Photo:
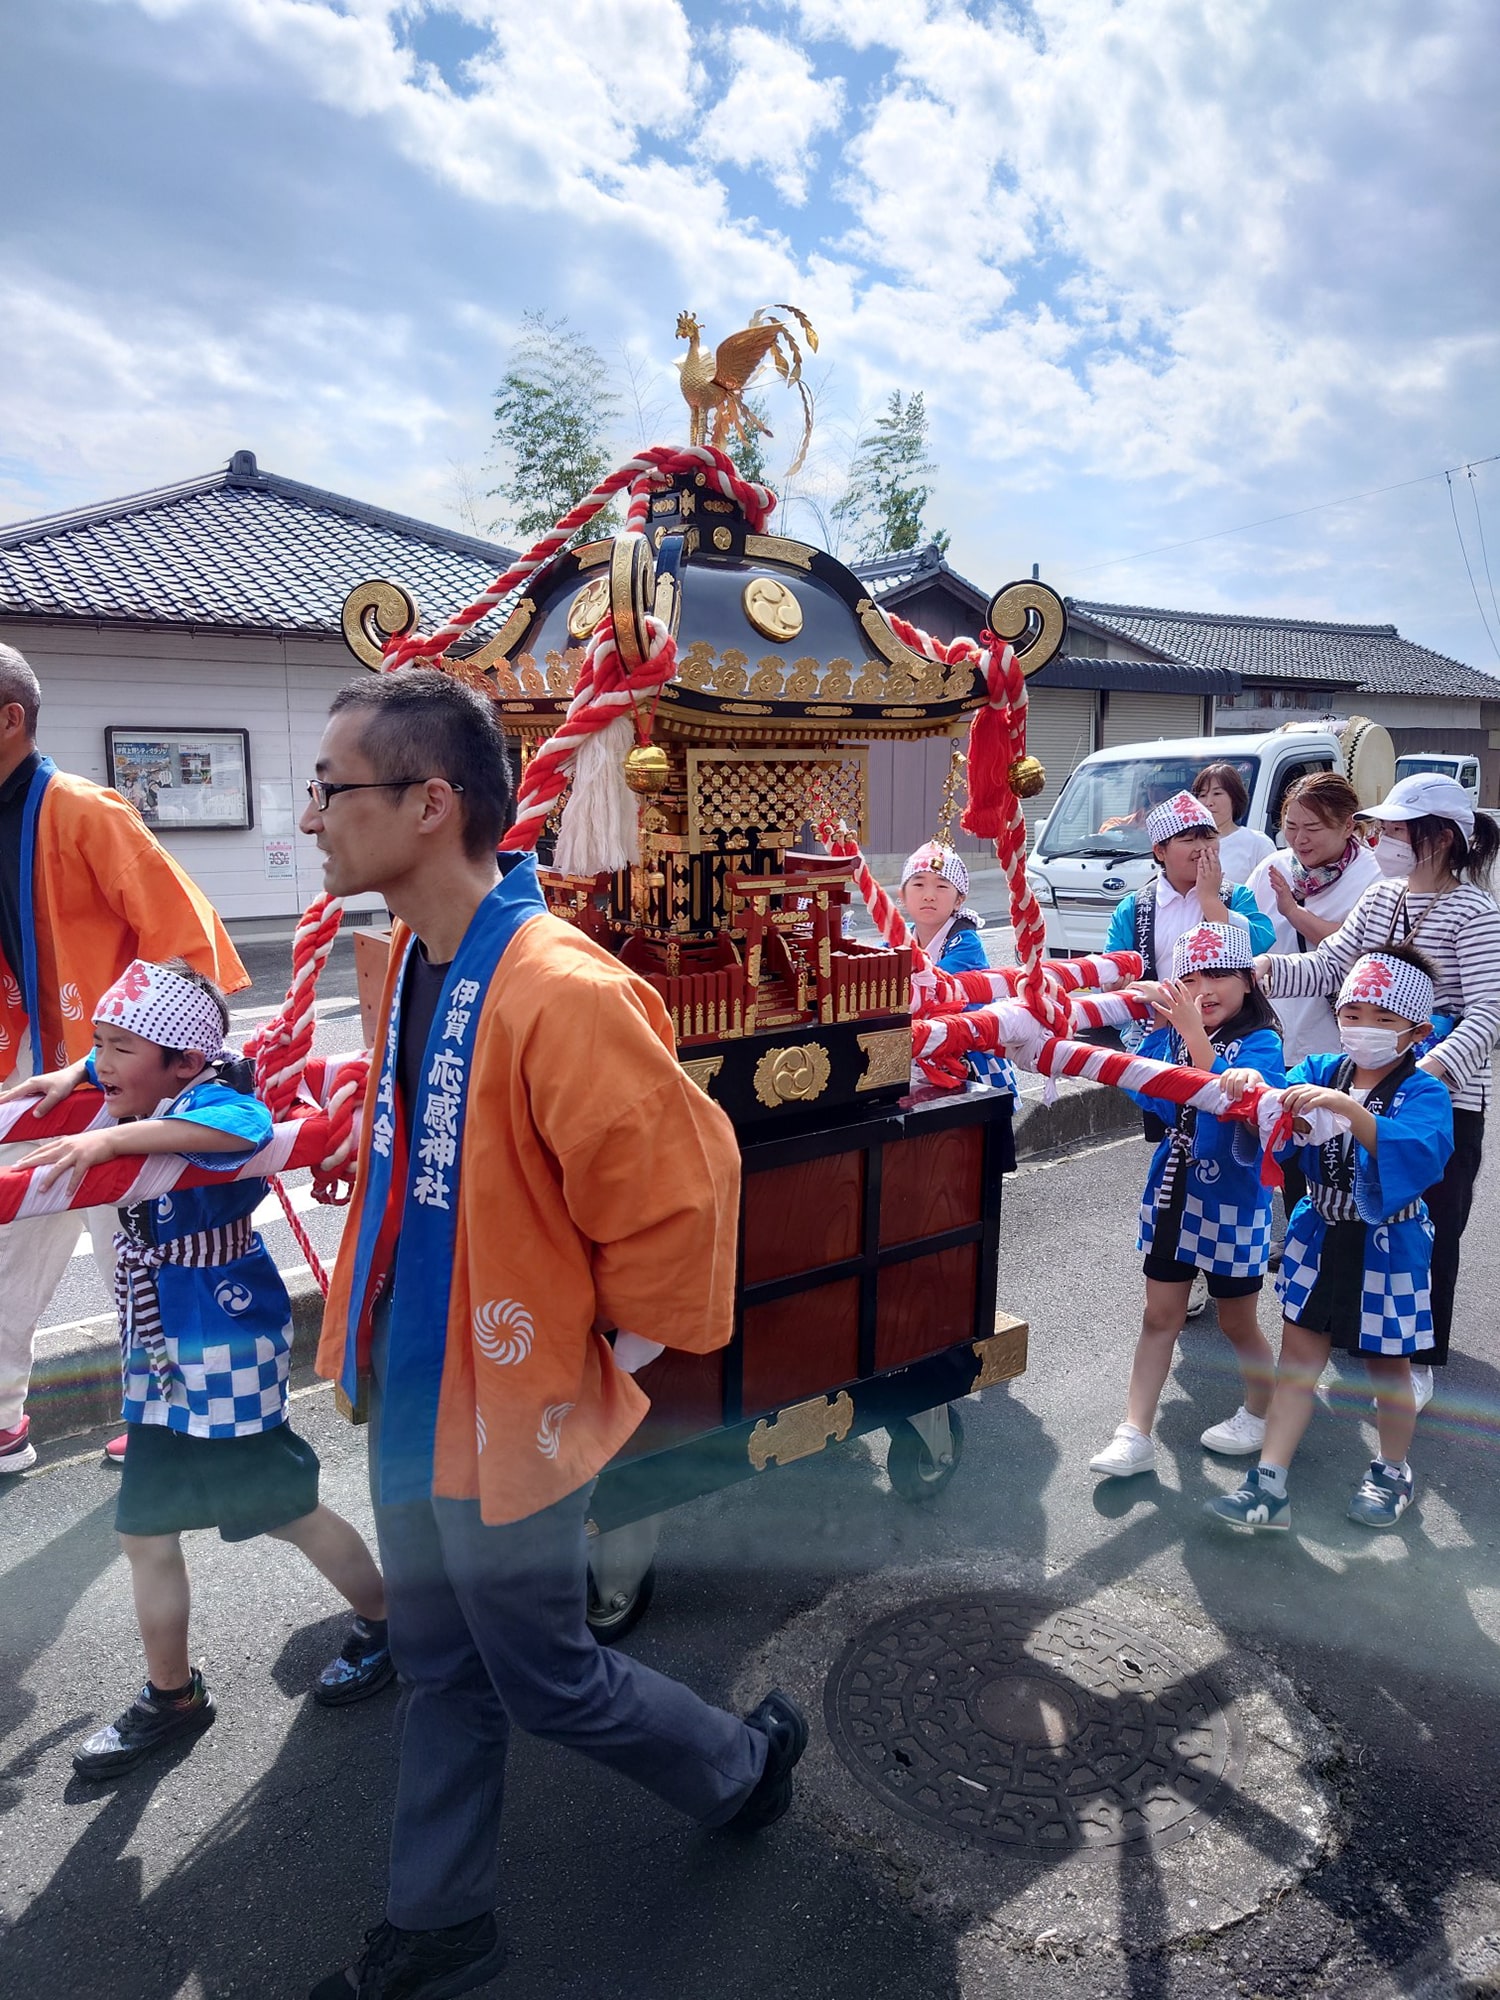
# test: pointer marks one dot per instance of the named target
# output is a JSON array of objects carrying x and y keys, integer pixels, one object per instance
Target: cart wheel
[
  {"x": 915, "y": 1473},
  {"x": 610, "y": 1622}
]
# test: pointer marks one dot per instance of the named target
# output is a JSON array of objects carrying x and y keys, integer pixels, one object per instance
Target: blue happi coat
[
  {"x": 1225, "y": 1211},
  {"x": 964, "y": 953},
  {"x": 1415, "y": 1141}
]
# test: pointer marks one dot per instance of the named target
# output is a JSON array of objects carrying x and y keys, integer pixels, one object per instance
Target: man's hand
[
  {"x": 51, "y": 1088},
  {"x": 72, "y": 1156}
]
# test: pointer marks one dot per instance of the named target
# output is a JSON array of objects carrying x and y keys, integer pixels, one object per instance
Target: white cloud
[{"x": 771, "y": 112}]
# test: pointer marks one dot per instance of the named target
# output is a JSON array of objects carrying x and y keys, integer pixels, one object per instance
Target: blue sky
[{"x": 1160, "y": 268}]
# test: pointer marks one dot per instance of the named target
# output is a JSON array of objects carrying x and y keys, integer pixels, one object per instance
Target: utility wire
[
  {"x": 1478, "y": 601},
  {"x": 1296, "y": 514},
  {"x": 1479, "y": 520}
]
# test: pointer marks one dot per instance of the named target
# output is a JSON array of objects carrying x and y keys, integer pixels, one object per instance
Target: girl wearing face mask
[
  {"x": 1435, "y": 854},
  {"x": 1359, "y": 1244}
]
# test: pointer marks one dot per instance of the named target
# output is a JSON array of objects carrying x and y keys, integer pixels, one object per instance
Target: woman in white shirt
[
  {"x": 1308, "y": 889},
  {"x": 1221, "y": 788}
]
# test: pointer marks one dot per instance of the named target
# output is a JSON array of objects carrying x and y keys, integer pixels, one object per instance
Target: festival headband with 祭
[
  {"x": 1212, "y": 948},
  {"x": 935, "y": 860},
  {"x": 1181, "y": 814},
  {"x": 1390, "y": 983},
  {"x": 161, "y": 1006}
]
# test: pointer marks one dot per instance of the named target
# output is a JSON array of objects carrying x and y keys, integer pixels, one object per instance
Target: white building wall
[{"x": 276, "y": 689}]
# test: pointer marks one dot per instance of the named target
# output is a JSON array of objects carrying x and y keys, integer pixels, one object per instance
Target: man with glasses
[{"x": 536, "y": 1173}]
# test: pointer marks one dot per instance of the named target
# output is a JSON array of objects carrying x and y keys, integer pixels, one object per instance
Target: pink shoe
[
  {"x": 114, "y": 1451},
  {"x": 17, "y": 1452}
]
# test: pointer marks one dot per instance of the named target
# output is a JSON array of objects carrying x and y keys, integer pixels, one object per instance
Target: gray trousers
[{"x": 487, "y": 1629}]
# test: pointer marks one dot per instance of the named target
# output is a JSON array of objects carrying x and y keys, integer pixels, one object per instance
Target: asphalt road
[{"x": 253, "y": 1863}]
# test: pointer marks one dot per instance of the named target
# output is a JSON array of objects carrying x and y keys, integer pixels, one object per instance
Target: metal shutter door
[
  {"x": 1059, "y": 730},
  {"x": 1142, "y": 718}
]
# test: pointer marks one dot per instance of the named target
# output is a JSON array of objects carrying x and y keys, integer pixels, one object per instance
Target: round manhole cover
[{"x": 1028, "y": 1729}]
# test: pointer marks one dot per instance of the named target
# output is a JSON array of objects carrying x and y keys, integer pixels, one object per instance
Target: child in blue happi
[
  {"x": 934, "y": 888},
  {"x": 205, "y": 1340},
  {"x": 1358, "y": 1252},
  {"x": 1204, "y": 1208}
]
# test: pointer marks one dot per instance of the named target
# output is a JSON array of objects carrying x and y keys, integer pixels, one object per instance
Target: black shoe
[
  {"x": 418, "y": 1965},
  {"x": 784, "y": 1727},
  {"x": 148, "y": 1724},
  {"x": 363, "y": 1667}
]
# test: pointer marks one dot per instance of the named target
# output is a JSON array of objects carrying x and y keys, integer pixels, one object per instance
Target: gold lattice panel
[{"x": 771, "y": 793}]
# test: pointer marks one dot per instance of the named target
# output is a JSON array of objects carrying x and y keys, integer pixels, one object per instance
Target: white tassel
[{"x": 600, "y": 833}]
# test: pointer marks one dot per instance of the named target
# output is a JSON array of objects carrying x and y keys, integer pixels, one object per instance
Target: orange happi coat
[
  {"x": 598, "y": 1189},
  {"x": 104, "y": 891}
]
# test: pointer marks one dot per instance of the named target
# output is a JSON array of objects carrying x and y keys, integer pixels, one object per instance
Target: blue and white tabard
[
  {"x": 227, "y": 1326},
  {"x": 1414, "y": 1142}
]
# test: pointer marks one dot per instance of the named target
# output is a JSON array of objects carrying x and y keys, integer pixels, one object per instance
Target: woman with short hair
[
  {"x": 1436, "y": 855},
  {"x": 1221, "y": 788}
]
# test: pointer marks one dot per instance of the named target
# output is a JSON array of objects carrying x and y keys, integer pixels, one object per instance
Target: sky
[{"x": 1160, "y": 268}]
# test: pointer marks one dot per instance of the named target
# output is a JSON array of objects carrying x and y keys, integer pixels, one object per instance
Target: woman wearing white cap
[{"x": 1436, "y": 855}]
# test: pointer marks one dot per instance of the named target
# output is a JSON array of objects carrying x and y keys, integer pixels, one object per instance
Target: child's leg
[
  {"x": 1161, "y": 1322},
  {"x": 1304, "y": 1356},
  {"x": 1395, "y": 1404},
  {"x": 1241, "y": 1328},
  {"x": 335, "y": 1548},
  {"x": 159, "y": 1579}
]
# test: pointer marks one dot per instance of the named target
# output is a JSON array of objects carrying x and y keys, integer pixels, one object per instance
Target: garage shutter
[
  {"x": 1059, "y": 730},
  {"x": 1142, "y": 718}
]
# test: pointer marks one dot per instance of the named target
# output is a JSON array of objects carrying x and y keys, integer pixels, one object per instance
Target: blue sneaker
[
  {"x": 1252, "y": 1507},
  {"x": 363, "y": 1667},
  {"x": 1382, "y": 1499}
]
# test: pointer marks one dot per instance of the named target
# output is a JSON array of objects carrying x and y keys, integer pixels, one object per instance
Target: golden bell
[
  {"x": 646, "y": 768},
  {"x": 1027, "y": 777}
]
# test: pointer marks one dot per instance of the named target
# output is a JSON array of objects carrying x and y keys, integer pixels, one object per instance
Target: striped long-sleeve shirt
[{"x": 1458, "y": 932}]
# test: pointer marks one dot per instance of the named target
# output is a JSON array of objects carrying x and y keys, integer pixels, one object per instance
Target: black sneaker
[
  {"x": 363, "y": 1667},
  {"x": 784, "y": 1727},
  {"x": 418, "y": 1965},
  {"x": 149, "y": 1724}
]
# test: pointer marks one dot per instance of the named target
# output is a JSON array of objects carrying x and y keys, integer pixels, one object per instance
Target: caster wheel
[
  {"x": 610, "y": 1622},
  {"x": 914, "y": 1473}
]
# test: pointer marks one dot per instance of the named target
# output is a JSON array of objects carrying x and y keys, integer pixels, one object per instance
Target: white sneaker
[
  {"x": 1237, "y": 1436},
  {"x": 1128, "y": 1451},
  {"x": 1422, "y": 1386},
  {"x": 1197, "y": 1294}
]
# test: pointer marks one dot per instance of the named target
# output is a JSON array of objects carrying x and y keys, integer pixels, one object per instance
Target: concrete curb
[
  {"x": 1079, "y": 1111},
  {"x": 75, "y": 1376}
]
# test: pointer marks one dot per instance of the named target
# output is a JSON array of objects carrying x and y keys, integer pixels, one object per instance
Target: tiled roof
[
  {"x": 1372, "y": 659},
  {"x": 239, "y": 548},
  {"x": 891, "y": 576},
  {"x": 1159, "y": 676}
]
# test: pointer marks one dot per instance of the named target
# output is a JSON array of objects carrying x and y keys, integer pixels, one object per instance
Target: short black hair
[{"x": 420, "y": 724}]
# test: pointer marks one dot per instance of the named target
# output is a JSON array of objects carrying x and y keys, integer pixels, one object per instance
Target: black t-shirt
[
  {"x": 12, "y": 816},
  {"x": 422, "y": 991}
]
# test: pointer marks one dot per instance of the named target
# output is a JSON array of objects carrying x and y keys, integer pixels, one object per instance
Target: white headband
[
  {"x": 1179, "y": 814},
  {"x": 1390, "y": 983},
  {"x": 936, "y": 860},
  {"x": 1212, "y": 948},
  {"x": 162, "y": 1007}
]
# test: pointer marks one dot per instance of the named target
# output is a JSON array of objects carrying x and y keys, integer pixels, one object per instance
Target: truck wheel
[
  {"x": 915, "y": 1474},
  {"x": 610, "y": 1622}
]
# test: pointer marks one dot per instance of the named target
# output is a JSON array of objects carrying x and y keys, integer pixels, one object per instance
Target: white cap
[{"x": 1426, "y": 793}]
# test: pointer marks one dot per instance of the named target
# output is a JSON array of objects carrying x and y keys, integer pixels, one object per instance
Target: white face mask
[
  {"x": 1394, "y": 857},
  {"x": 1371, "y": 1048}
]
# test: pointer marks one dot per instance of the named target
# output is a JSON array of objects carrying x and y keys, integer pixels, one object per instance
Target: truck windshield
[
  {"x": 1103, "y": 807},
  {"x": 1446, "y": 767}
]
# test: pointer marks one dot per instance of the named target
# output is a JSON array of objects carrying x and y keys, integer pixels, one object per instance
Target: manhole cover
[{"x": 1025, "y": 1728}]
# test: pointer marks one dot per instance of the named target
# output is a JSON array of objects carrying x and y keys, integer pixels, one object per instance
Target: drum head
[{"x": 1369, "y": 759}]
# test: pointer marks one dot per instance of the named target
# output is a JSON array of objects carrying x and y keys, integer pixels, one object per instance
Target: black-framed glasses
[{"x": 320, "y": 793}]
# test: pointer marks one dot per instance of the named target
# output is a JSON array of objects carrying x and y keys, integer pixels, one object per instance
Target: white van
[
  {"x": 1464, "y": 769},
  {"x": 1093, "y": 848}
]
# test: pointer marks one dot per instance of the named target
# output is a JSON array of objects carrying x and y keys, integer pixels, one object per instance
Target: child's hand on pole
[
  {"x": 1235, "y": 1082},
  {"x": 51, "y": 1087},
  {"x": 73, "y": 1156}
]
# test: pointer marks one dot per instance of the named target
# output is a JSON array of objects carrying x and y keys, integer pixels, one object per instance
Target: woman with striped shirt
[{"x": 1436, "y": 854}]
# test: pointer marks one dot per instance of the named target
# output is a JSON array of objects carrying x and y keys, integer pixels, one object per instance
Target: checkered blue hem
[
  {"x": 1230, "y": 1242},
  {"x": 1395, "y": 1304},
  {"x": 221, "y": 1393}
]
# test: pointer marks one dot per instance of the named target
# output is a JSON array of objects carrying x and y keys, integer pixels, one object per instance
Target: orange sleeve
[
  {"x": 156, "y": 898},
  {"x": 650, "y": 1167}
]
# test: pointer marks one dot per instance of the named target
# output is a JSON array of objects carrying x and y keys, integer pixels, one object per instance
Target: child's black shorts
[
  {"x": 242, "y": 1486},
  {"x": 1167, "y": 1271}
]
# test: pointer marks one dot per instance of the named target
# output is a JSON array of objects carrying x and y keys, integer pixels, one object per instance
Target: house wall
[{"x": 277, "y": 689}]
